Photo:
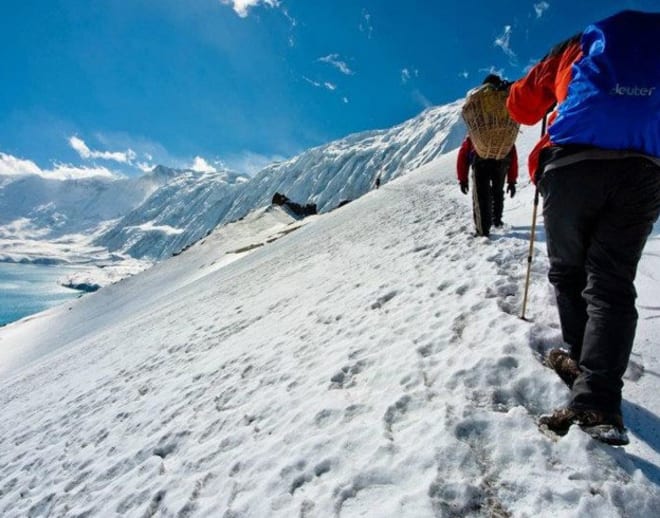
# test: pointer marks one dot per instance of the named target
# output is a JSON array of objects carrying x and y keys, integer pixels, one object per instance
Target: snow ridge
[
  {"x": 346, "y": 169},
  {"x": 179, "y": 213}
]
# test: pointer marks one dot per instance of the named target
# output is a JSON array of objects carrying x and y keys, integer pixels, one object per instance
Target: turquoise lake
[{"x": 26, "y": 289}]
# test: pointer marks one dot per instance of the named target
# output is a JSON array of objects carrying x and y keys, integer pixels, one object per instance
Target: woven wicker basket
[{"x": 491, "y": 129}]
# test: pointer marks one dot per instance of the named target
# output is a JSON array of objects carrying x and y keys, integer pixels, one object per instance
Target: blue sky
[{"x": 101, "y": 86}]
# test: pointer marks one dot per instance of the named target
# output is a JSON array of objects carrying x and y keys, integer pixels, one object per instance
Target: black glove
[
  {"x": 511, "y": 188},
  {"x": 465, "y": 187}
]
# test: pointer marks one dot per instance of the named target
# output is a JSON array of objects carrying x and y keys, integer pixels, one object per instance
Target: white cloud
[
  {"x": 144, "y": 154},
  {"x": 540, "y": 8},
  {"x": 12, "y": 166},
  {"x": 365, "y": 24},
  {"x": 71, "y": 172},
  {"x": 292, "y": 25},
  {"x": 241, "y": 6},
  {"x": 335, "y": 61},
  {"x": 407, "y": 74},
  {"x": 251, "y": 163},
  {"x": 80, "y": 147},
  {"x": 464, "y": 74},
  {"x": 292, "y": 21},
  {"x": 332, "y": 87},
  {"x": 325, "y": 84},
  {"x": 312, "y": 82},
  {"x": 202, "y": 166},
  {"x": 145, "y": 167},
  {"x": 124, "y": 157},
  {"x": 503, "y": 41}
]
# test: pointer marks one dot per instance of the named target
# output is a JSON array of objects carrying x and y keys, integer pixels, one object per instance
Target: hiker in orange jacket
[
  {"x": 544, "y": 86},
  {"x": 601, "y": 198},
  {"x": 489, "y": 176}
]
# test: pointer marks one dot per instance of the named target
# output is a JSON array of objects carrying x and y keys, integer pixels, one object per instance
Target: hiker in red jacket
[
  {"x": 488, "y": 184},
  {"x": 598, "y": 170}
]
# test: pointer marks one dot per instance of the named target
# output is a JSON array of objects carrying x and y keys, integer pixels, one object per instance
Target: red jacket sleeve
[
  {"x": 531, "y": 97},
  {"x": 512, "y": 175},
  {"x": 463, "y": 161},
  {"x": 545, "y": 84}
]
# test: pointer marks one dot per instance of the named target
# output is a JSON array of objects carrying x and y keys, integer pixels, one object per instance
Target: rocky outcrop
[{"x": 297, "y": 209}]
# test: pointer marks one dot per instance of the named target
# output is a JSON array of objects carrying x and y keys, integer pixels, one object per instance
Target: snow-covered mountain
[
  {"x": 365, "y": 362},
  {"x": 164, "y": 211},
  {"x": 52, "y": 219},
  {"x": 175, "y": 215},
  {"x": 181, "y": 212},
  {"x": 346, "y": 169},
  {"x": 55, "y": 207}
]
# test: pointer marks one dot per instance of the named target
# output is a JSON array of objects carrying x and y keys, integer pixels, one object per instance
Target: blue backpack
[{"x": 613, "y": 99}]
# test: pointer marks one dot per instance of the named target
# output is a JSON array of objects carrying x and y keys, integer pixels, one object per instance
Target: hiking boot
[
  {"x": 605, "y": 427},
  {"x": 565, "y": 366}
]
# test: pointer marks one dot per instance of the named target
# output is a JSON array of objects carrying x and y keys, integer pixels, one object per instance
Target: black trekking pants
[
  {"x": 488, "y": 178},
  {"x": 598, "y": 215}
]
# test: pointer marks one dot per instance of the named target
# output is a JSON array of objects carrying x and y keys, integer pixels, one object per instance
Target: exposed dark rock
[
  {"x": 297, "y": 209},
  {"x": 87, "y": 287}
]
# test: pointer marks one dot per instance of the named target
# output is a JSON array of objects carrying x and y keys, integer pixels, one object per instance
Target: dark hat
[{"x": 492, "y": 79}]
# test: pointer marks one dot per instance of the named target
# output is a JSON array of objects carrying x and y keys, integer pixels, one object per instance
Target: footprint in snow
[
  {"x": 381, "y": 301},
  {"x": 396, "y": 413},
  {"x": 326, "y": 417},
  {"x": 458, "y": 326},
  {"x": 297, "y": 476},
  {"x": 354, "y": 410},
  {"x": 462, "y": 289},
  {"x": 345, "y": 378}
]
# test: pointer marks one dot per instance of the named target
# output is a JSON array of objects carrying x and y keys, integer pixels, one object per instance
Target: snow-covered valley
[{"x": 369, "y": 363}]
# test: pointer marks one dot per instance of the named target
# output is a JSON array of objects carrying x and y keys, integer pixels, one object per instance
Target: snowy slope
[
  {"x": 371, "y": 363},
  {"x": 41, "y": 334}
]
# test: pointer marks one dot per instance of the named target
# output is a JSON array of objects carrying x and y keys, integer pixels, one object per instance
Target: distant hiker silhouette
[
  {"x": 377, "y": 182},
  {"x": 489, "y": 175},
  {"x": 598, "y": 170}
]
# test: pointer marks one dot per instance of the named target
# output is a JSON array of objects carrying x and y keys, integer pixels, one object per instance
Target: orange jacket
[
  {"x": 545, "y": 85},
  {"x": 466, "y": 155}
]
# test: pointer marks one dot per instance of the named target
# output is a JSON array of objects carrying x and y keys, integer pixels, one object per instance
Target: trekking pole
[
  {"x": 531, "y": 253},
  {"x": 533, "y": 235}
]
